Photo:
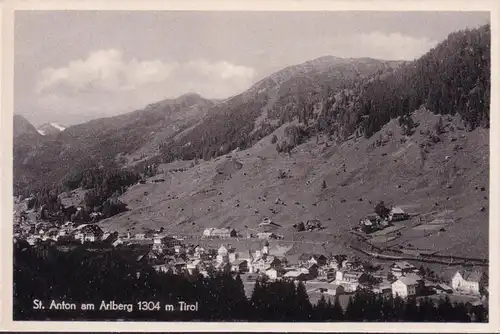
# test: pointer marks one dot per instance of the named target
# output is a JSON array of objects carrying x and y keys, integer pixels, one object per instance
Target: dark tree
[{"x": 382, "y": 210}]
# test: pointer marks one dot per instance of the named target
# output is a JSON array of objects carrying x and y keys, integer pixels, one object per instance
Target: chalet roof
[
  {"x": 179, "y": 262},
  {"x": 472, "y": 276},
  {"x": 403, "y": 265},
  {"x": 397, "y": 210},
  {"x": 414, "y": 276},
  {"x": 89, "y": 228},
  {"x": 163, "y": 236},
  {"x": 443, "y": 286},
  {"x": 295, "y": 273},
  {"x": 356, "y": 274},
  {"x": 407, "y": 280},
  {"x": 308, "y": 256}
]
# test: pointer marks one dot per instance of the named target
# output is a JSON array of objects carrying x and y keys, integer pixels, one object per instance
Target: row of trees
[{"x": 80, "y": 276}]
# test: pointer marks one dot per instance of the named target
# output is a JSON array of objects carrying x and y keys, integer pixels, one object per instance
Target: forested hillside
[
  {"x": 41, "y": 162},
  {"x": 359, "y": 95},
  {"x": 452, "y": 78},
  {"x": 291, "y": 93},
  {"x": 340, "y": 98}
]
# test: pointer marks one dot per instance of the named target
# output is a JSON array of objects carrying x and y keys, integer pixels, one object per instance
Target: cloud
[
  {"x": 109, "y": 71},
  {"x": 107, "y": 83},
  {"x": 103, "y": 70},
  {"x": 394, "y": 46}
]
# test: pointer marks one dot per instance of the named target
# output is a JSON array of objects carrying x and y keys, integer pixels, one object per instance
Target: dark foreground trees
[{"x": 81, "y": 277}]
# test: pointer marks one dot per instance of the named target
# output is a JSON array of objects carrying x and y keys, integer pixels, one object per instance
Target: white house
[
  {"x": 219, "y": 233},
  {"x": 350, "y": 279},
  {"x": 406, "y": 286},
  {"x": 272, "y": 273},
  {"x": 397, "y": 214},
  {"x": 469, "y": 282},
  {"x": 222, "y": 254}
]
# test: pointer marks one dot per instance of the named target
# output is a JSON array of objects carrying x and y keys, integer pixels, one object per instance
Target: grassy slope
[{"x": 189, "y": 201}]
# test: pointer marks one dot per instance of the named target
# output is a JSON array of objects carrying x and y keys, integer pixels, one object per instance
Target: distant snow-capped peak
[
  {"x": 50, "y": 128},
  {"x": 58, "y": 126}
]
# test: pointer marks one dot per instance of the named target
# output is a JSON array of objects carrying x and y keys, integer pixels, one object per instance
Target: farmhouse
[
  {"x": 334, "y": 264},
  {"x": 265, "y": 262},
  {"x": 307, "y": 259},
  {"x": 219, "y": 233},
  {"x": 469, "y": 282},
  {"x": 350, "y": 279},
  {"x": 298, "y": 275},
  {"x": 372, "y": 223},
  {"x": 162, "y": 242},
  {"x": 273, "y": 273},
  {"x": 266, "y": 235},
  {"x": 372, "y": 219},
  {"x": 88, "y": 233},
  {"x": 397, "y": 214}
]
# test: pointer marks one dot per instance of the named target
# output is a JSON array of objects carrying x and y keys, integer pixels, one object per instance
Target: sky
[{"x": 73, "y": 66}]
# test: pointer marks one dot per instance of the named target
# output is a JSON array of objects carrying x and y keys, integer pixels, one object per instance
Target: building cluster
[
  {"x": 332, "y": 275},
  {"x": 373, "y": 222}
]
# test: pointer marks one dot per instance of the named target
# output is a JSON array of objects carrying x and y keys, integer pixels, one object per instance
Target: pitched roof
[
  {"x": 356, "y": 274},
  {"x": 472, "y": 276},
  {"x": 443, "y": 286},
  {"x": 403, "y": 265},
  {"x": 408, "y": 280},
  {"x": 414, "y": 276},
  {"x": 295, "y": 273},
  {"x": 397, "y": 210},
  {"x": 308, "y": 256}
]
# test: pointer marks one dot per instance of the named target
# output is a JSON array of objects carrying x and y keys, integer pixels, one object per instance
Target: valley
[
  {"x": 220, "y": 193},
  {"x": 353, "y": 175}
]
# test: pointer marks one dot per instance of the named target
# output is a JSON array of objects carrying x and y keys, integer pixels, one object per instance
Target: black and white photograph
[{"x": 264, "y": 166}]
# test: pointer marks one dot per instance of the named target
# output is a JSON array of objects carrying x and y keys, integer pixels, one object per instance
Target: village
[{"x": 328, "y": 275}]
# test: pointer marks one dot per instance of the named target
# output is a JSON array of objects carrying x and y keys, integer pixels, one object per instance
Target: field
[{"x": 240, "y": 189}]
